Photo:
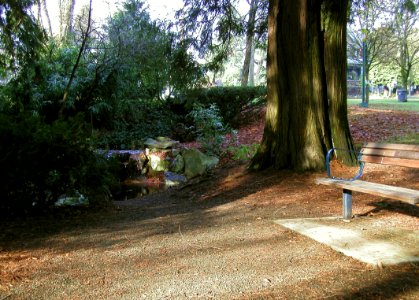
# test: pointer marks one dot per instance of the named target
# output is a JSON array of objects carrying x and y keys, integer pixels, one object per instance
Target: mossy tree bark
[
  {"x": 306, "y": 111},
  {"x": 334, "y": 16}
]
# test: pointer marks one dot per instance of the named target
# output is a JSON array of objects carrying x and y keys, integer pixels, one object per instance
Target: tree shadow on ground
[
  {"x": 401, "y": 283},
  {"x": 205, "y": 203},
  {"x": 191, "y": 205},
  {"x": 397, "y": 284},
  {"x": 393, "y": 206},
  {"x": 217, "y": 203}
]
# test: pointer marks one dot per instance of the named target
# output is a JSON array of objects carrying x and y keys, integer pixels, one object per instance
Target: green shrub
[
  {"x": 229, "y": 100},
  {"x": 44, "y": 161},
  {"x": 134, "y": 121},
  {"x": 243, "y": 152},
  {"x": 209, "y": 128}
]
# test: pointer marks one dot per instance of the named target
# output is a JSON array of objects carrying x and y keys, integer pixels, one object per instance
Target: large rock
[
  {"x": 172, "y": 179},
  {"x": 177, "y": 164},
  {"x": 76, "y": 200},
  {"x": 158, "y": 163},
  {"x": 160, "y": 143},
  {"x": 197, "y": 163}
]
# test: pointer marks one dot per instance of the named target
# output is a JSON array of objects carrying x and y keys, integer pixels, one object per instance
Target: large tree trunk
[
  {"x": 335, "y": 19},
  {"x": 298, "y": 129}
]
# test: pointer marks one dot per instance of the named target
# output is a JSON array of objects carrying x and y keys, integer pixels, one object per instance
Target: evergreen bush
[
  {"x": 209, "y": 128},
  {"x": 43, "y": 161},
  {"x": 134, "y": 121},
  {"x": 229, "y": 100}
]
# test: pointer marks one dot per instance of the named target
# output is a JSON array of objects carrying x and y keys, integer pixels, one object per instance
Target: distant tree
[
  {"x": 256, "y": 29},
  {"x": 384, "y": 73},
  {"x": 85, "y": 37},
  {"x": 45, "y": 8},
  {"x": 403, "y": 46},
  {"x": 389, "y": 29},
  {"x": 42, "y": 7},
  {"x": 148, "y": 59},
  {"x": 210, "y": 27},
  {"x": 366, "y": 27},
  {"x": 66, "y": 17}
]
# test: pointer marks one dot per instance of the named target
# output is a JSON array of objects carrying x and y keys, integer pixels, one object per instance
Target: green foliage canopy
[
  {"x": 147, "y": 58},
  {"x": 20, "y": 37}
]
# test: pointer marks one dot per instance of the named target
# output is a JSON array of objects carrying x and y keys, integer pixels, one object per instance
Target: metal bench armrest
[{"x": 329, "y": 157}]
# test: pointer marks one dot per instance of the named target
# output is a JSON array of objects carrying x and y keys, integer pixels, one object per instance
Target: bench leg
[{"x": 347, "y": 204}]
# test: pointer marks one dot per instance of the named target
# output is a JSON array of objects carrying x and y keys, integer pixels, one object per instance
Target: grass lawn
[
  {"x": 412, "y": 103},
  {"x": 410, "y": 138},
  {"x": 396, "y": 108}
]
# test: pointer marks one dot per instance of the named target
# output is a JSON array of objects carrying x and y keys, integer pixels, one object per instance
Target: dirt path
[{"x": 215, "y": 239}]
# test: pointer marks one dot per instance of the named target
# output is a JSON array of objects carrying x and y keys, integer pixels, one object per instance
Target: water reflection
[{"x": 137, "y": 190}]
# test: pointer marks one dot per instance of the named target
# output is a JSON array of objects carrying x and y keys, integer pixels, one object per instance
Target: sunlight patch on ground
[{"x": 363, "y": 239}]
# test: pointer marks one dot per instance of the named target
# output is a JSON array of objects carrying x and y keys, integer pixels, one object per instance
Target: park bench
[{"x": 385, "y": 154}]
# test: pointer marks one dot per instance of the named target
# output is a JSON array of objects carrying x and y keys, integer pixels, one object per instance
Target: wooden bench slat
[
  {"x": 378, "y": 153},
  {"x": 392, "y": 146},
  {"x": 393, "y": 192},
  {"x": 410, "y": 163},
  {"x": 390, "y": 153}
]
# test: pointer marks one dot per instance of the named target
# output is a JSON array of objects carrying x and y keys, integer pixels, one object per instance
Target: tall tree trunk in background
[
  {"x": 334, "y": 17},
  {"x": 39, "y": 17},
  {"x": 259, "y": 65},
  {"x": 251, "y": 81},
  {"x": 66, "y": 8},
  {"x": 70, "y": 16},
  {"x": 44, "y": 5},
  {"x": 250, "y": 34},
  {"x": 298, "y": 128},
  {"x": 404, "y": 61},
  {"x": 73, "y": 72},
  {"x": 62, "y": 13}
]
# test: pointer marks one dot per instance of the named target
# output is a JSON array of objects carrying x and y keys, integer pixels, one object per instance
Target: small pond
[
  {"x": 138, "y": 190},
  {"x": 138, "y": 175}
]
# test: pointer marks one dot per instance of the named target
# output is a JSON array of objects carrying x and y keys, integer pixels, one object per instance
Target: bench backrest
[{"x": 390, "y": 154}]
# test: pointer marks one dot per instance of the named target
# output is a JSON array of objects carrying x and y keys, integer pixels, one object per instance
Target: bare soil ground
[{"x": 214, "y": 238}]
